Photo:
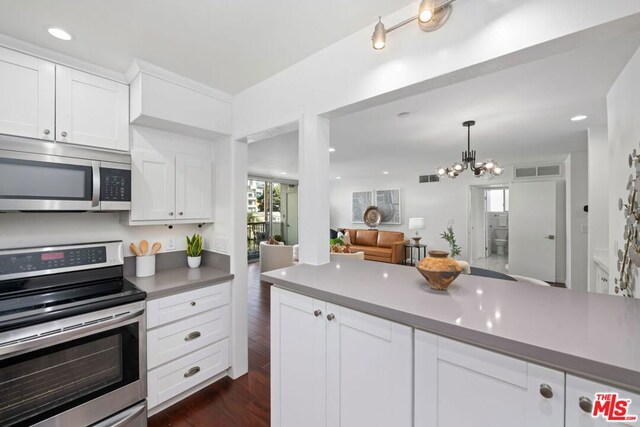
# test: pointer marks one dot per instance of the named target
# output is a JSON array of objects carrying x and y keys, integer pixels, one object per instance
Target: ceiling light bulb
[
  {"x": 332, "y": 150},
  {"x": 59, "y": 33},
  {"x": 578, "y": 118},
  {"x": 379, "y": 37},
  {"x": 458, "y": 167},
  {"x": 498, "y": 170},
  {"x": 489, "y": 164},
  {"x": 426, "y": 11},
  {"x": 441, "y": 171}
]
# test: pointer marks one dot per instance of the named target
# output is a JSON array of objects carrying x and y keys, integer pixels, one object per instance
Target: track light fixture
[{"x": 430, "y": 17}]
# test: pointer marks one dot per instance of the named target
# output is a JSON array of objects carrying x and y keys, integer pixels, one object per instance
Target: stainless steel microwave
[{"x": 48, "y": 176}]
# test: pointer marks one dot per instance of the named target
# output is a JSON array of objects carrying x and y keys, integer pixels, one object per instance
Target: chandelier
[{"x": 487, "y": 167}]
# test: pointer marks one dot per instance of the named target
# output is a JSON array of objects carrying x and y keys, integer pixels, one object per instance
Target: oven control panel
[{"x": 51, "y": 260}]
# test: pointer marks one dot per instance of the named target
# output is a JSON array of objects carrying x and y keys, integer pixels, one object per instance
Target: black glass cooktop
[{"x": 38, "y": 299}]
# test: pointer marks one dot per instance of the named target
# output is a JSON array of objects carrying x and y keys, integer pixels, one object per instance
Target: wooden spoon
[
  {"x": 144, "y": 245},
  {"x": 156, "y": 248},
  {"x": 134, "y": 249}
]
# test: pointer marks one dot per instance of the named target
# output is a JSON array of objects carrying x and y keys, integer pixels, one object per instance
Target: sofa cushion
[
  {"x": 366, "y": 237},
  {"x": 351, "y": 232},
  {"x": 373, "y": 251},
  {"x": 386, "y": 239}
]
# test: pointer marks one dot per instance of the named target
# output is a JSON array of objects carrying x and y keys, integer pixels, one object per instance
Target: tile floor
[{"x": 493, "y": 262}]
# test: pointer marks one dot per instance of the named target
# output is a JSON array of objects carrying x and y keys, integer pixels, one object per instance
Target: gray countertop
[
  {"x": 176, "y": 280},
  {"x": 591, "y": 335}
]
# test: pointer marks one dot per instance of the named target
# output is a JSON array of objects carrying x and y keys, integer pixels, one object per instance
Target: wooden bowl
[{"x": 439, "y": 270}]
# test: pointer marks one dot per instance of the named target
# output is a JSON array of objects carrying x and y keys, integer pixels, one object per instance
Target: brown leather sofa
[{"x": 383, "y": 246}]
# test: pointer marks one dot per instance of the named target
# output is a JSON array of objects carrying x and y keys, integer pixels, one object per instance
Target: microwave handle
[{"x": 95, "y": 193}]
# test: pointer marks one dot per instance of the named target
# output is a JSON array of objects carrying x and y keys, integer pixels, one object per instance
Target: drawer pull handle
[
  {"x": 585, "y": 404},
  {"x": 191, "y": 372},
  {"x": 193, "y": 303},
  {"x": 192, "y": 336},
  {"x": 546, "y": 391}
]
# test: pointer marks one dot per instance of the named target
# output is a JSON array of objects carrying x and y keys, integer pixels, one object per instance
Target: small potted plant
[{"x": 194, "y": 250}]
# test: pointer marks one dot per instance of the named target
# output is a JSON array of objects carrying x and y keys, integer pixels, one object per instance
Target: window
[{"x": 498, "y": 200}]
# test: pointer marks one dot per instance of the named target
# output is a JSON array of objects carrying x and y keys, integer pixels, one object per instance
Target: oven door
[
  {"x": 79, "y": 370},
  {"x": 39, "y": 182}
]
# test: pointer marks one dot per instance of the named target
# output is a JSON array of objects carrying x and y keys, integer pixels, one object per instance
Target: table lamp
[{"x": 416, "y": 224}]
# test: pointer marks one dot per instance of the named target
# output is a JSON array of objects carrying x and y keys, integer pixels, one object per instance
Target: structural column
[{"x": 313, "y": 191}]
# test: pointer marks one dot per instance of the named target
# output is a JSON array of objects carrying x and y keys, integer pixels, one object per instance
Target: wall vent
[
  {"x": 428, "y": 178},
  {"x": 537, "y": 171}
]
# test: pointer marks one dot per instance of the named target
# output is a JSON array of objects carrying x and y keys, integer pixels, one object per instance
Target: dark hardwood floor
[{"x": 244, "y": 402}]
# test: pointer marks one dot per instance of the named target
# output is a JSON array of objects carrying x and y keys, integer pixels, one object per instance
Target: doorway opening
[{"x": 489, "y": 228}]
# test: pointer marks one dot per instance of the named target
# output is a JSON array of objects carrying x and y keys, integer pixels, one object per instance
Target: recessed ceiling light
[
  {"x": 578, "y": 118},
  {"x": 283, "y": 173},
  {"x": 385, "y": 173},
  {"x": 59, "y": 33},
  {"x": 338, "y": 177},
  {"x": 403, "y": 114},
  {"x": 332, "y": 150}
]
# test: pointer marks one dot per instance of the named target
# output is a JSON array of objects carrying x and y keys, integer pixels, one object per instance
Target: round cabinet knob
[
  {"x": 46, "y": 131},
  {"x": 193, "y": 303},
  {"x": 180, "y": 213},
  {"x": 170, "y": 213},
  {"x": 64, "y": 134},
  {"x": 546, "y": 391},
  {"x": 317, "y": 313},
  {"x": 330, "y": 317},
  {"x": 585, "y": 404}
]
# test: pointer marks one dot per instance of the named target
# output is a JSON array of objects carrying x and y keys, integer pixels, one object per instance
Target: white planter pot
[{"x": 194, "y": 261}]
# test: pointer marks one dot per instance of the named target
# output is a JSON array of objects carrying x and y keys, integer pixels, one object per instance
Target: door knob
[
  {"x": 546, "y": 391},
  {"x": 317, "y": 313},
  {"x": 330, "y": 317},
  {"x": 64, "y": 134},
  {"x": 585, "y": 404},
  {"x": 550, "y": 237}
]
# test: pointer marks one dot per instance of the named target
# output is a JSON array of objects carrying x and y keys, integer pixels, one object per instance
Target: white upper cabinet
[
  {"x": 153, "y": 186},
  {"x": 27, "y": 91},
  {"x": 193, "y": 187},
  {"x": 461, "y": 385},
  {"x": 91, "y": 110}
]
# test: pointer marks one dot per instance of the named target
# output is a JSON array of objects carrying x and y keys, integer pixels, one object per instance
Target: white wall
[
  {"x": 576, "y": 220},
  {"x": 623, "y": 106},
  {"x": 598, "y": 197},
  {"x": 441, "y": 204}
]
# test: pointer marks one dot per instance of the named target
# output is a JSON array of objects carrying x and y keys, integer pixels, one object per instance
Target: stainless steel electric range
[{"x": 72, "y": 338}]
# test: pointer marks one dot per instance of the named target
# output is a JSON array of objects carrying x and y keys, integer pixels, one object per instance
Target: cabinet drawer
[
  {"x": 174, "y": 340},
  {"x": 180, "y": 375},
  {"x": 175, "y": 307}
]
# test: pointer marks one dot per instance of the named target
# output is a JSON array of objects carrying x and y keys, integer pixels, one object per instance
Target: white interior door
[
  {"x": 292, "y": 218},
  {"x": 532, "y": 230},
  {"x": 477, "y": 229}
]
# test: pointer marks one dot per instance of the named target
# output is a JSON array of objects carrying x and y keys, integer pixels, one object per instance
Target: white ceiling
[
  {"x": 226, "y": 44},
  {"x": 522, "y": 115},
  {"x": 275, "y": 157}
]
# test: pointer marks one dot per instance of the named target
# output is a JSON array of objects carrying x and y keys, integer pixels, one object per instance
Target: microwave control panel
[{"x": 115, "y": 185}]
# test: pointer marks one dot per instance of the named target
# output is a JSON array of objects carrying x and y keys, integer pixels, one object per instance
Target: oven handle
[
  {"x": 95, "y": 193},
  {"x": 123, "y": 417},
  {"x": 21, "y": 346}
]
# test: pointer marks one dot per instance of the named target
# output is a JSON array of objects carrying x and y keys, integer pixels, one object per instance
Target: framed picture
[
  {"x": 360, "y": 201},
  {"x": 388, "y": 201}
]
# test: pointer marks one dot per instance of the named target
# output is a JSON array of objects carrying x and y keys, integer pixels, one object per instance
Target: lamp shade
[{"x": 416, "y": 223}]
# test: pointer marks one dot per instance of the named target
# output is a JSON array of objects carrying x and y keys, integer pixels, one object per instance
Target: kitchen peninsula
[{"x": 360, "y": 337}]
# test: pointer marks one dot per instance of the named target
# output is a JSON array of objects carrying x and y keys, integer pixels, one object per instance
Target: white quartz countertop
[{"x": 591, "y": 335}]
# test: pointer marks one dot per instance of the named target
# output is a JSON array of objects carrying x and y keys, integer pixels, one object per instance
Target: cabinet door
[
  {"x": 298, "y": 368},
  {"x": 369, "y": 370},
  {"x": 27, "y": 91},
  {"x": 91, "y": 110},
  {"x": 152, "y": 186},
  {"x": 193, "y": 187},
  {"x": 581, "y": 397},
  {"x": 461, "y": 385}
]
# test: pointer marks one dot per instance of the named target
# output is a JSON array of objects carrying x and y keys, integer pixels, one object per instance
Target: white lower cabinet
[
  {"x": 461, "y": 385},
  {"x": 332, "y": 366},
  {"x": 581, "y": 396},
  {"x": 187, "y": 341}
]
